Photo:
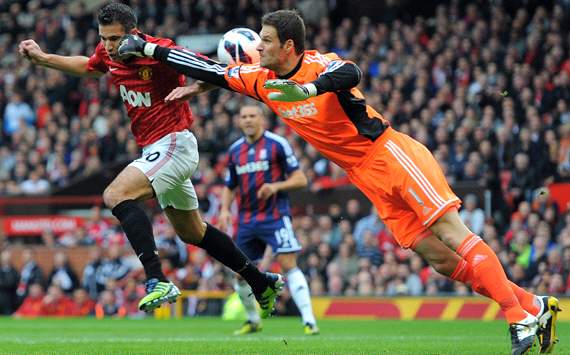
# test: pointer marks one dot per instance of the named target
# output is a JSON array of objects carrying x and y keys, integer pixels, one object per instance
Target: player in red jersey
[
  {"x": 316, "y": 95},
  {"x": 169, "y": 157}
]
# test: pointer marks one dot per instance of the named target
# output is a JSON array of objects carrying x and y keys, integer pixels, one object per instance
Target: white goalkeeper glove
[{"x": 290, "y": 91}]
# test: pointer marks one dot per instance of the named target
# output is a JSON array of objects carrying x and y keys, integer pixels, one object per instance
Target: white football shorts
[{"x": 169, "y": 163}]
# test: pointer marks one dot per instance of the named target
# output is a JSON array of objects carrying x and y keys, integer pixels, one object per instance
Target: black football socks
[
  {"x": 222, "y": 248},
  {"x": 138, "y": 228}
]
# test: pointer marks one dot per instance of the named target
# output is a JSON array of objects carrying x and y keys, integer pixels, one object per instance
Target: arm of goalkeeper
[{"x": 338, "y": 75}]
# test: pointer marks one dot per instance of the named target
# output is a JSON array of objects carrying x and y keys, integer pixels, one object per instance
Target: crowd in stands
[
  {"x": 347, "y": 251},
  {"x": 486, "y": 90}
]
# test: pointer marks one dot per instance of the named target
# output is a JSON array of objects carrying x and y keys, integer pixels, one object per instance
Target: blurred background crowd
[{"x": 484, "y": 86}]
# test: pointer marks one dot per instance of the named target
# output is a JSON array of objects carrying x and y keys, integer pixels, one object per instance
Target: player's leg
[
  {"x": 192, "y": 229},
  {"x": 448, "y": 263},
  {"x": 163, "y": 165},
  {"x": 487, "y": 269},
  {"x": 122, "y": 196},
  {"x": 423, "y": 187},
  {"x": 299, "y": 289},
  {"x": 408, "y": 179},
  {"x": 253, "y": 322},
  {"x": 545, "y": 308},
  {"x": 279, "y": 235},
  {"x": 253, "y": 248}
]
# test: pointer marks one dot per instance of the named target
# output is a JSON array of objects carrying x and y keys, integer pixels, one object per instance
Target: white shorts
[{"x": 169, "y": 163}]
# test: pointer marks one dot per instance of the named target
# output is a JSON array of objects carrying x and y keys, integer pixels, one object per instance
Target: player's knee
[
  {"x": 442, "y": 266},
  {"x": 287, "y": 261},
  {"x": 111, "y": 197},
  {"x": 190, "y": 238},
  {"x": 450, "y": 229},
  {"x": 192, "y": 234},
  {"x": 189, "y": 225}
]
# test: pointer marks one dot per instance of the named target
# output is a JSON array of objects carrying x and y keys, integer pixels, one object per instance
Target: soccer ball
[{"x": 237, "y": 46}]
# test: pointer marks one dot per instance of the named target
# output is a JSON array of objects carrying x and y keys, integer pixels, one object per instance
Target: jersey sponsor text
[{"x": 135, "y": 98}]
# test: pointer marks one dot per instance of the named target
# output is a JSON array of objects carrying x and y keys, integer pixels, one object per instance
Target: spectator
[
  {"x": 564, "y": 150},
  {"x": 371, "y": 223},
  {"x": 347, "y": 262},
  {"x": 17, "y": 114},
  {"x": 91, "y": 280},
  {"x": 35, "y": 184},
  {"x": 369, "y": 249},
  {"x": 31, "y": 273},
  {"x": 353, "y": 211},
  {"x": 114, "y": 267},
  {"x": 108, "y": 306},
  {"x": 171, "y": 247},
  {"x": 523, "y": 181},
  {"x": 56, "y": 303},
  {"x": 132, "y": 293},
  {"x": 33, "y": 302},
  {"x": 472, "y": 215},
  {"x": 62, "y": 275},
  {"x": 82, "y": 304},
  {"x": 9, "y": 278}
]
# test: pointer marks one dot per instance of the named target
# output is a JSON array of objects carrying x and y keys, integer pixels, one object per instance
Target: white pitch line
[{"x": 83, "y": 340}]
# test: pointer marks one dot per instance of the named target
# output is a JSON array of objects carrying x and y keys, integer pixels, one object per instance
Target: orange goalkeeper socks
[
  {"x": 488, "y": 273},
  {"x": 464, "y": 273}
]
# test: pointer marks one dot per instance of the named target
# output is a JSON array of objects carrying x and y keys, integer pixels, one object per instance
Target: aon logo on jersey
[
  {"x": 252, "y": 167},
  {"x": 135, "y": 98}
]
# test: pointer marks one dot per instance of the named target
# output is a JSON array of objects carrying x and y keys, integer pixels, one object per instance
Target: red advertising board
[
  {"x": 26, "y": 225},
  {"x": 560, "y": 192}
]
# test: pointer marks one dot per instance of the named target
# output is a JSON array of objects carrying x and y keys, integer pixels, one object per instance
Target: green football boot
[
  {"x": 158, "y": 292},
  {"x": 248, "y": 328},
  {"x": 267, "y": 298}
]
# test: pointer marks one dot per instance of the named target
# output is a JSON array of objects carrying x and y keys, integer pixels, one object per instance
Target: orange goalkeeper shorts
[{"x": 405, "y": 183}]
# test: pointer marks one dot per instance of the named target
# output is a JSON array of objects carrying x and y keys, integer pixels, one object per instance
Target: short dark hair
[
  {"x": 289, "y": 25},
  {"x": 116, "y": 12}
]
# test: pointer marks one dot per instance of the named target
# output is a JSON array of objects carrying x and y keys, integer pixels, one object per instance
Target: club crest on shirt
[
  {"x": 263, "y": 154},
  {"x": 233, "y": 72},
  {"x": 145, "y": 73}
]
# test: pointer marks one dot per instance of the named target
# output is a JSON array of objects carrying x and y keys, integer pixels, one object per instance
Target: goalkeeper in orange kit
[{"x": 315, "y": 94}]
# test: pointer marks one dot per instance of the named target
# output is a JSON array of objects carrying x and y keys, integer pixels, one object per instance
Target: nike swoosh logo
[{"x": 113, "y": 69}]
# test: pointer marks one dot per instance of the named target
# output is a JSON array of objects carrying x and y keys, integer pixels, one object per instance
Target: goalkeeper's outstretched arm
[
  {"x": 337, "y": 76},
  {"x": 193, "y": 65}
]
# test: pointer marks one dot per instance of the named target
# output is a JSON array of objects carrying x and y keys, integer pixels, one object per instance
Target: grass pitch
[{"x": 279, "y": 336}]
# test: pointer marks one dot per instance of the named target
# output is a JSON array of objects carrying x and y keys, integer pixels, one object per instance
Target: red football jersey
[{"x": 143, "y": 83}]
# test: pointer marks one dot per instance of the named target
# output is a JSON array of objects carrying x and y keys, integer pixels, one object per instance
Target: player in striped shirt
[
  {"x": 261, "y": 169},
  {"x": 315, "y": 94}
]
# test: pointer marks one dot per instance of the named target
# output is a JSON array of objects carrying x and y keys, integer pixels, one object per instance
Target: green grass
[{"x": 280, "y": 336}]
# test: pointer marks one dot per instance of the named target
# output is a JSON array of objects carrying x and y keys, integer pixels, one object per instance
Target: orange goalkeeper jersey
[{"x": 338, "y": 124}]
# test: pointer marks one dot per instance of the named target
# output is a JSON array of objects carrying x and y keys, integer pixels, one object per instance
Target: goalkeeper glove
[
  {"x": 290, "y": 91},
  {"x": 134, "y": 45}
]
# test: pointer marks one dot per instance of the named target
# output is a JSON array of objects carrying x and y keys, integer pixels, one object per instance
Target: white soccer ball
[{"x": 238, "y": 46}]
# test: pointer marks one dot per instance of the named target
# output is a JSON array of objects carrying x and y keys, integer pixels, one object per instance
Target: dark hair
[
  {"x": 116, "y": 12},
  {"x": 289, "y": 25}
]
